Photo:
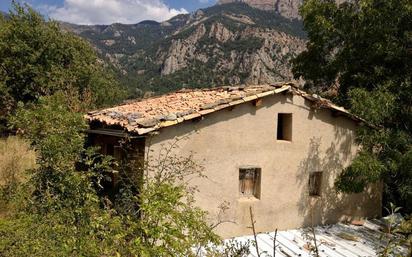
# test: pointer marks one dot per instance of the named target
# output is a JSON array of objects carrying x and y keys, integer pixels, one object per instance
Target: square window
[
  {"x": 315, "y": 183},
  {"x": 249, "y": 182},
  {"x": 284, "y": 129}
]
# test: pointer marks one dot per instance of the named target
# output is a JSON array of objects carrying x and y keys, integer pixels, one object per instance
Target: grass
[{"x": 16, "y": 157}]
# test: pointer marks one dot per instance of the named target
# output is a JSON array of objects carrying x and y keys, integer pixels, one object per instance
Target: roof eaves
[
  {"x": 143, "y": 126},
  {"x": 327, "y": 104}
]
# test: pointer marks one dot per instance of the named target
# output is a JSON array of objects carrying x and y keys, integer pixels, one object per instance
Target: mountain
[
  {"x": 226, "y": 44},
  {"x": 286, "y": 8}
]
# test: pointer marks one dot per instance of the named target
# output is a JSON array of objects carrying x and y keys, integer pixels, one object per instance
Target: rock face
[
  {"x": 180, "y": 49},
  {"x": 227, "y": 44},
  {"x": 220, "y": 33},
  {"x": 267, "y": 63},
  {"x": 287, "y": 8}
]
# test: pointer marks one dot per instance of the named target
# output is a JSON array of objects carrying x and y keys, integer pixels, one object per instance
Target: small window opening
[
  {"x": 315, "y": 183},
  {"x": 284, "y": 131},
  {"x": 249, "y": 182}
]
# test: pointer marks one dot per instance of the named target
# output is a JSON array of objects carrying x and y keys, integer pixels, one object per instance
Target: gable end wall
[{"x": 246, "y": 135}]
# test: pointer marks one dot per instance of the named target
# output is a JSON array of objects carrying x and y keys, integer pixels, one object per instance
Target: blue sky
[{"x": 110, "y": 11}]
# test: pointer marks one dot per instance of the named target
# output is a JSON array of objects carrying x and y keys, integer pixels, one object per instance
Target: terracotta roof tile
[{"x": 146, "y": 115}]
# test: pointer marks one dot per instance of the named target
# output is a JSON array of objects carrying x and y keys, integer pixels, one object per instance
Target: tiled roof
[{"x": 147, "y": 115}]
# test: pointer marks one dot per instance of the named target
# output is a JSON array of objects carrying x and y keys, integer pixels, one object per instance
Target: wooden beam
[
  {"x": 111, "y": 132},
  {"x": 258, "y": 102}
]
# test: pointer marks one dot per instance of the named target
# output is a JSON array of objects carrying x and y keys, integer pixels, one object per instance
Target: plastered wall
[{"x": 246, "y": 135}]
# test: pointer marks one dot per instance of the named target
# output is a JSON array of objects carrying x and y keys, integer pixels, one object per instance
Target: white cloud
[{"x": 111, "y": 11}]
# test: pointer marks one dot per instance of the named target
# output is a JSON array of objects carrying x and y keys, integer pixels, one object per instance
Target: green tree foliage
[
  {"x": 38, "y": 58},
  {"x": 364, "y": 169},
  {"x": 56, "y": 212},
  {"x": 61, "y": 211},
  {"x": 170, "y": 224},
  {"x": 53, "y": 128},
  {"x": 362, "y": 52},
  {"x": 358, "y": 44},
  {"x": 48, "y": 77}
]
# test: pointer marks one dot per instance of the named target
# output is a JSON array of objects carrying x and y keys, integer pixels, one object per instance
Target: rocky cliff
[
  {"x": 250, "y": 56},
  {"x": 221, "y": 45},
  {"x": 287, "y": 8}
]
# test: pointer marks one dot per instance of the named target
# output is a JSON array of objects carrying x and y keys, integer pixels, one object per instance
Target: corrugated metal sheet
[{"x": 338, "y": 240}]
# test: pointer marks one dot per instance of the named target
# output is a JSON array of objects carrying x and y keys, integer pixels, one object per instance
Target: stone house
[{"x": 274, "y": 148}]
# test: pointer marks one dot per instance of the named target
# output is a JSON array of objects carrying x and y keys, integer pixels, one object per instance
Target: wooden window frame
[
  {"x": 315, "y": 183},
  {"x": 250, "y": 182}
]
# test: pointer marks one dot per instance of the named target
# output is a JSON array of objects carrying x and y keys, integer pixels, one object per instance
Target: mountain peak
[
  {"x": 260, "y": 4},
  {"x": 287, "y": 8},
  {"x": 149, "y": 22}
]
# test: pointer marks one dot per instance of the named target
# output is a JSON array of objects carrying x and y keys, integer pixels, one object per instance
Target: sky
[{"x": 111, "y": 11}]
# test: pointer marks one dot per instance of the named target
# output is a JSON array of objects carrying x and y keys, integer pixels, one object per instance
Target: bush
[{"x": 60, "y": 211}]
